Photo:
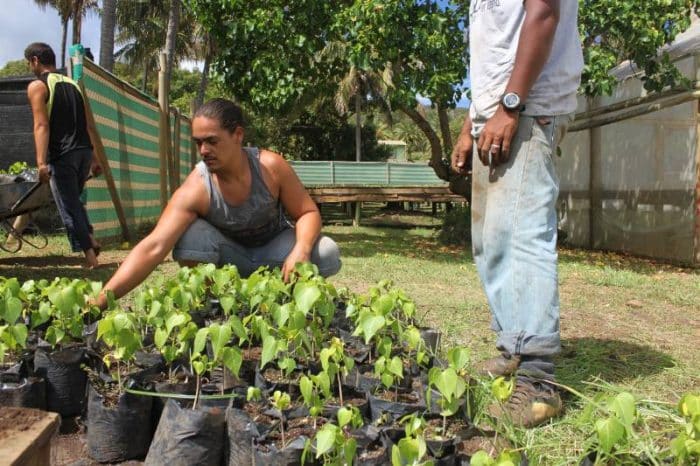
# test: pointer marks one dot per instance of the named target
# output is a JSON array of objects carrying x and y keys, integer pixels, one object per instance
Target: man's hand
[
  {"x": 495, "y": 139},
  {"x": 95, "y": 167},
  {"x": 44, "y": 173},
  {"x": 462, "y": 154},
  {"x": 295, "y": 256}
]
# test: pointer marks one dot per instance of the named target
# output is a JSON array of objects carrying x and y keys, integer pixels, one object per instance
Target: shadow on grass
[
  {"x": 585, "y": 359},
  {"x": 52, "y": 266},
  {"x": 399, "y": 243},
  {"x": 621, "y": 261}
]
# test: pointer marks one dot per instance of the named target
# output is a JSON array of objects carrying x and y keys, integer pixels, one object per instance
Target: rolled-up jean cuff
[
  {"x": 197, "y": 256},
  {"x": 528, "y": 344}
]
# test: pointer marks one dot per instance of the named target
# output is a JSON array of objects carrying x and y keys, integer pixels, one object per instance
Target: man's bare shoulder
[
  {"x": 36, "y": 87},
  {"x": 191, "y": 195}
]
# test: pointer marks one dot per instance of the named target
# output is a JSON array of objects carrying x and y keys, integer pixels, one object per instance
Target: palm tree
[
  {"x": 107, "y": 29},
  {"x": 80, "y": 9},
  {"x": 65, "y": 11},
  {"x": 357, "y": 86}
]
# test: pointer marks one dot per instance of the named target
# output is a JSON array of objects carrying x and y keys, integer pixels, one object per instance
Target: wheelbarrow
[{"x": 22, "y": 198}]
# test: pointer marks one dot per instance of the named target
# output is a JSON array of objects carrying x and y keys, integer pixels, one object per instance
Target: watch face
[{"x": 511, "y": 100}]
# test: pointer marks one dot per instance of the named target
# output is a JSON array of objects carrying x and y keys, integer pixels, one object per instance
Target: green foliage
[
  {"x": 15, "y": 169},
  {"x": 15, "y": 68},
  {"x": 456, "y": 227},
  {"x": 616, "y": 30},
  {"x": 501, "y": 388},
  {"x": 685, "y": 448},
  {"x": 504, "y": 458},
  {"x": 412, "y": 448}
]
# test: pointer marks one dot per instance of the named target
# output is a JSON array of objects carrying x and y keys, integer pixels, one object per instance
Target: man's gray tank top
[{"x": 257, "y": 220}]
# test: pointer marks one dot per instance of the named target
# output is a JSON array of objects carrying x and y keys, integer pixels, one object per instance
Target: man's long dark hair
[
  {"x": 42, "y": 51},
  {"x": 228, "y": 114}
]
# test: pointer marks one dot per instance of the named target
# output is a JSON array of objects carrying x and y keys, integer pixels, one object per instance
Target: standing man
[
  {"x": 231, "y": 210},
  {"x": 63, "y": 149},
  {"x": 526, "y": 63}
]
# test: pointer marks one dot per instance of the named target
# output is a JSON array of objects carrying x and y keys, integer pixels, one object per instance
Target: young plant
[
  {"x": 13, "y": 332},
  {"x": 119, "y": 331},
  {"x": 387, "y": 367},
  {"x": 315, "y": 390},
  {"x": 686, "y": 447},
  {"x": 281, "y": 401},
  {"x": 336, "y": 364},
  {"x": 174, "y": 331},
  {"x": 333, "y": 442},
  {"x": 219, "y": 336},
  {"x": 412, "y": 448},
  {"x": 451, "y": 387},
  {"x": 69, "y": 309}
]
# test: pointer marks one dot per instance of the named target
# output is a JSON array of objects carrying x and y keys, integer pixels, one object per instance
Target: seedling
[
  {"x": 315, "y": 390},
  {"x": 336, "y": 364},
  {"x": 333, "y": 442},
  {"x": 219, "y": 336},
  {"x": 412, "y": 448},
  {"x": 505, "y": 458},
  {"x": 118, "y": 329},
  {"x": 281, "y": 401}
]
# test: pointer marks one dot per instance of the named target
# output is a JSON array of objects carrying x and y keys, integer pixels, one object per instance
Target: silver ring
[{"x": 496, "y": 146}]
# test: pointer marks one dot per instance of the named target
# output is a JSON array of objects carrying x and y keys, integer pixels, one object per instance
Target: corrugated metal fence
[{"x": 331, "y": 173}]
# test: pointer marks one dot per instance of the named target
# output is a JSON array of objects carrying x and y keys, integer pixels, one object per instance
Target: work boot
[
  {"x": 502, "y": 365},
  {"x": 532, "y": 402}
]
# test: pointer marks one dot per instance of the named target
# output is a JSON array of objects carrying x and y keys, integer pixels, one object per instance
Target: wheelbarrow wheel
[{"x": 8, "y": 241}]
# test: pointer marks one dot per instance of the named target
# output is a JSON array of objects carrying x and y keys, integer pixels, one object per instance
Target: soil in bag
[
  {"x": 65, "y": 379},
  {"x": 118, "y": 426},
  {"x": 22, "y": 392},
  {"x": 241, "y": 431},
  {"x": 391, "y": 406},
  {"x": 188, "y": 437}
]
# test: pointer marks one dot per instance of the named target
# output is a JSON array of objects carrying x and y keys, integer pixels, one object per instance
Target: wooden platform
[
  {"x": 327, "y": 194},
  {"x": 25, "y": 436}
]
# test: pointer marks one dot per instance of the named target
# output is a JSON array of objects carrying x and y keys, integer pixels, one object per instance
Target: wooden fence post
[
  {"x": 175, "y": 174},
  {"x": 163, "y": 130}
]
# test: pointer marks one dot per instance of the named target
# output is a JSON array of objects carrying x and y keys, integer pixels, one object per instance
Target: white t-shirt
[{"x": 494, "y": 31}]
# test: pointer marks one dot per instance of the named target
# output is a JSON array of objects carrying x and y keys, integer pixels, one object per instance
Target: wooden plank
[
  {"x": 382, "y": 194},
  {"x": 30, "y": 444}
]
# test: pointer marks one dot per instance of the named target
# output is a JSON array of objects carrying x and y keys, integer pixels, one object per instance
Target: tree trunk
[
  {"x": 171, "y": 38},
  {"x": 77, "y": 20},
  {"x": 109, "y": 19},
  {"x": 144, "y": 83},
  {"x": 436, "y": 157},
  {"x": 64, "y": 38},
  {"x": 458, "y": 184},
  {"x": 445, "y": 130},
  {"x": 358, "y": 127},
  {"x": 199, "y": 100}
]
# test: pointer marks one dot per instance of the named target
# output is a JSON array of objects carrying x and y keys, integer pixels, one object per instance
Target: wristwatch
[{"x": 511, "y": 102}]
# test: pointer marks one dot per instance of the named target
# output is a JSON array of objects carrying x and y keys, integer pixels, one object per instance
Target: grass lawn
[{"x": 628, "y": 324}]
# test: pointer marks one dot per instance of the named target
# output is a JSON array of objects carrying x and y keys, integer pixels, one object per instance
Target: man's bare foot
[
  {"x": 91, "y": 259},
  {"x": 96, "y": 246}
]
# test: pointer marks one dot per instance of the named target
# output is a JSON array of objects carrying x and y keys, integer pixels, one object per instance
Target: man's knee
[{"x": 196, "y": 245}]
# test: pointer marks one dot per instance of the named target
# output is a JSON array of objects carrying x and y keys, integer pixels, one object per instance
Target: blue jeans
[
  {"x": 203, "y": 242},
  {"x": 514, "y": 236},
  {"x": 68, "y": 175}
]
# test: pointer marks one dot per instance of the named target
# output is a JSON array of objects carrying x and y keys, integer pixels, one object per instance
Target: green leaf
[
  {"x": 232, "y": 359},
  {"x": 19, "y": 333},
  {"x": 481, "y": 458},
  {"x": 200, "y": 340},
  {"x": 689, "y": 406},
  {"x": 306, "y": 387},
  {"x": 13, "y": 309},
  {"x": 623, "y": 407},
  {"x": 269, "y": 350},
  {"x": 198, "y": 367},
  {"x": 370, "y": 325},
  {"x": 384, "y": 304},
  {"x": 305, "y": 296},
  {"x": 396, "y": 367},
  {"x": 174, "y": 320},
  {"x": 609, "y": 431},
  {"x": 325, "y": 439},
  {"x": 502, "y": 388},
  {"x": 227, "y": 303},
  {"x": 159, "y": 337},
  {"x": 220, "y": 336},
  {"x": 344, "y": 417}
]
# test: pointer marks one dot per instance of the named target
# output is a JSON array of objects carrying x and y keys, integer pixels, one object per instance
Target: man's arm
[
  {"x": 534, "y": 47},
  {"x": 180, "y": 212},
  {"x": 37, "y": 93},
  {"x": 301, "y": 208},
  {"x": 462, "y": 151}
]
